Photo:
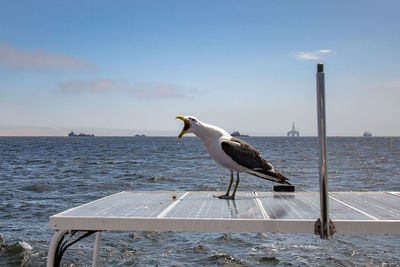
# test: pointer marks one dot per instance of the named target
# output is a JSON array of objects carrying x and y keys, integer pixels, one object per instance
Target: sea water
[{"x": 42, "y": 176}]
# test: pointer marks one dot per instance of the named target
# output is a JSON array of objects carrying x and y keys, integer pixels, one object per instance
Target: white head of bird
[{"x": 200, "y": 129}]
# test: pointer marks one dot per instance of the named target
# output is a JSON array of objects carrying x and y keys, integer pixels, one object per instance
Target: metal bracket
[
  {"x": 317, "y": 227},
  {"x": 62, "y": 245}
]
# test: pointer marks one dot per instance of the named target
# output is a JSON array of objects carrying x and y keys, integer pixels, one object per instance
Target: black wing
[{"x": 247, "y": 156}]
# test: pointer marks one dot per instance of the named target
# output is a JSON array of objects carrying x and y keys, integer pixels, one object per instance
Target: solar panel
[{"x": 293, "y": 212}]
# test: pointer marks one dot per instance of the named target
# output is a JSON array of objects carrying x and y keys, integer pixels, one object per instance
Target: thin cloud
[
  {"x": 388, "y": 85},
  {"x": 10, "y": 108},
  {"x": 152, "y": 90},
  {"x": 14, "y": 57},
  {"x": 393, "y": 84},
  {"x": 95, "y": 86},
  {"x": 145, "y": 90},
  {"x": 315, "y": 55}
]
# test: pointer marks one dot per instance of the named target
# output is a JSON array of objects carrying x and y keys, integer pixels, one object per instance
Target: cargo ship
[
  {"x": 72, "y": 134},
  {"x": 237, "y": 134}
]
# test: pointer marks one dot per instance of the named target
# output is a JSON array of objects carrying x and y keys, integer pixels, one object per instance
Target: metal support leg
[
  {"x": 96, "y": 249},
  {"x": 58, "y": 245},
  {"x": 53, "y": 248}
]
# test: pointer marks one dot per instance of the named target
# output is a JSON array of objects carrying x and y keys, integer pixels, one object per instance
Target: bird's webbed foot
[{"x": 225, "y": 196}]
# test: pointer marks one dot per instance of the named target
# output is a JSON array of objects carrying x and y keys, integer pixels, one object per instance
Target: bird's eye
[{"x": 193, "y": 119}]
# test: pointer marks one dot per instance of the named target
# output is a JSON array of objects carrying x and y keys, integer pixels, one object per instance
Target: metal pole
[
  {"x": 96, "y": 249},
  {"x": 323, "y": 178}
]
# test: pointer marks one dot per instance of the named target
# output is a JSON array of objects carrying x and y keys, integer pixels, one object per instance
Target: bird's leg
[
  {"x": 226, "y": 196},
  {"x": 230, "y": 184},
  {"x": 236, "y": 186}
]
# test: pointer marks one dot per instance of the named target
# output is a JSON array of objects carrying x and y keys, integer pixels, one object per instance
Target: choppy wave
[{"x": 18, "y": 253}]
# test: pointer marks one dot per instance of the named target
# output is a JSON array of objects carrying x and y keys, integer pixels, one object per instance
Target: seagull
[{"x": 231, "y": 153}]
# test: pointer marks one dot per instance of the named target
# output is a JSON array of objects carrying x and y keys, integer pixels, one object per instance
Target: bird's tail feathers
[{"x": 273, "y": 176}]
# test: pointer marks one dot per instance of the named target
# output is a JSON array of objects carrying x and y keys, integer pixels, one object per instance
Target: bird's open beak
[{"x": 185, "y": 127}]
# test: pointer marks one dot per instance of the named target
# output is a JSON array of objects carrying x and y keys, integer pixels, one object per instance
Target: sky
[{"x": 130, "y": 67}]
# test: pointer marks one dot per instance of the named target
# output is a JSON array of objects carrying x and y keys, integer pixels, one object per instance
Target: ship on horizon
[
  {"x": 367, "y": 134},
  {"x": 72, "y": 134},
  {"x": 237, "y": 134}
]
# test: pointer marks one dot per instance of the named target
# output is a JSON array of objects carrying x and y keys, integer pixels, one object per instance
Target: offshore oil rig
[{"x": 293, "y": 132}]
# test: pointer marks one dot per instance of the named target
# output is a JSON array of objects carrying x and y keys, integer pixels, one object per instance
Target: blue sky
[{"x": 127, "y": 67}]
